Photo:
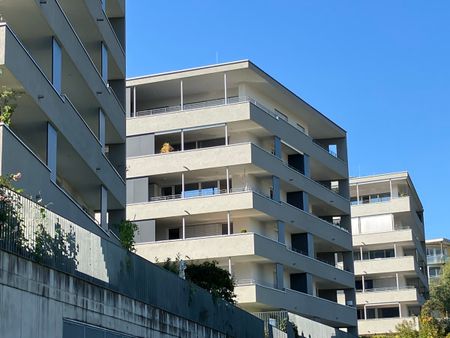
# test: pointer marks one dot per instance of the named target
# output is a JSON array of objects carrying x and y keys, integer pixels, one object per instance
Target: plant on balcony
[
  {"x": 127, "y": 231},
  {"x": 284, "y": 326},
  {"x": 207, "y": 275},
  {"x": 8, "y": 105},
  {"x": 166, "y": 148}
]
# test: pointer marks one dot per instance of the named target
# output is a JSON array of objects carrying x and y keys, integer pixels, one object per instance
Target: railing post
[
  {"x": 182, "y": 185},
  {"x": 227, "y": 173}
]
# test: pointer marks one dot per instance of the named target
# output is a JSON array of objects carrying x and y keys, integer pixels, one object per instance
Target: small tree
[
  {"x": 208, "y": 276},
  {"x": 8, "y": 105},
  {"x": 406, "y": 329},
  {"x": 127, "y": 231}
]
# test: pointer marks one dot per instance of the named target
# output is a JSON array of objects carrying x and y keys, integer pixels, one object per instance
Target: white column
[
  {"x": 182, "y": 185},
  {"x": 182, "y": 140},
  {"x": 363, "y": 283},
  {"x": 400, "y": 310},
  {"x": 396, "y": 281},
  {"x": 226, "y": 134},
  {"x": 225, "y": 87},
  {"x": 181, "y": 95},
  {"x": 229, "y": 223},
  {"x": 390, "y": 188},
  {"x": 395, "y": 249},
  {"x": 227, "y": 173},
  {"x": 361, "y": 252},
  {"x": 357, "y": 194},
  {"x": 134, "y": 101},
  {"x": 184, "y": 228},
  {"x": 229, "y": 266},
  {"x": 365, "y": 312}
]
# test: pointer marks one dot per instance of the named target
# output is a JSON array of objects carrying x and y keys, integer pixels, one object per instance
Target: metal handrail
[
  {"x": 389, "y": 288},
  {"x": 213, "y": 193}
]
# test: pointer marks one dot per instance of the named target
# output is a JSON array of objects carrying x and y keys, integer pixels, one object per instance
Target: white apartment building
[
  {"x": 67, "y": 136},
  {"x": 437, "y": 255},
  {"x": 389, "y": 251},
  {"x": 224, "y": 163}
]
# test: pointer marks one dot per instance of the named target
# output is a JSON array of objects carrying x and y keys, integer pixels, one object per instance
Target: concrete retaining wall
[{"x": 36, "y": 301}]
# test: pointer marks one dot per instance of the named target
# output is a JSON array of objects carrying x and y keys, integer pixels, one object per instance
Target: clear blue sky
[{"x": 380, "y": 69}]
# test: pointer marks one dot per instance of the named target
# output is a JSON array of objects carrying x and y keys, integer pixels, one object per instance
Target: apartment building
[
  {"x": 66, "y": 61},
  {"x": 389, "y": 251},
  {"x": 224, "y": 163},
  {"x": 437, "y": 255}
]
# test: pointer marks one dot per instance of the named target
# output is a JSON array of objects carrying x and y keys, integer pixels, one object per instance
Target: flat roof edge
[{"x": 244, "y": 62}]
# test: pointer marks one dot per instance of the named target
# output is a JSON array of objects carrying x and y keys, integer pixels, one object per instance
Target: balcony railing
[
  {"x": 216, "y": 103},
  {"x": 390, "y": 288},
  {"x": 200, "y": 193},
  {"x": 438, "y": 259}
]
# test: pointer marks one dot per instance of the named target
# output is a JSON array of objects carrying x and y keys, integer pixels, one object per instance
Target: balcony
[
  {"x": 16, "y": 156},
  {"x": 241, "y": 202},
  {"x": 244, "y": 247},
  {"x": 390, "y": 265},
  {"x": 318, "y": 309},
  {"x": 387, "y": 294},
  {"x": 80, "y": 71},
  {"x": 391, "y": 206},
  {"x": 235, "y": 110},
  {"x": 438, "y": 259},
  {"x": 383, "y": 325},
  {"x": 42, "y": 103},
  {"x": 245, "y": 155}
]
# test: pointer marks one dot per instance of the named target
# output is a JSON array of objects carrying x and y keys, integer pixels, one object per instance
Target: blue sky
[{"x": 380, "y": 69}]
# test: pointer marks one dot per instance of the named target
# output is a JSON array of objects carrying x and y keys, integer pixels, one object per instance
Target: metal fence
[
  {"x": 30, "y": 230},
  {"x": 273, "y": 318}
]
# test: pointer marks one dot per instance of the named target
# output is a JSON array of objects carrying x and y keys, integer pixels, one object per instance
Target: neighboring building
[
  {"x": 389, "y": 251},
  {"x": 226, "y": 164},
  {"x": 67, "y": 137},
  {"x": 437, "y": 255}
]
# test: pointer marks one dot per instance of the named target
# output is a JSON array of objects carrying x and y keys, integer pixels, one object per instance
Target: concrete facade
[
  {"x": 389, "y": 251},
  {"x": 66, "y": 61},
  {"x": 226, "y": 164}
]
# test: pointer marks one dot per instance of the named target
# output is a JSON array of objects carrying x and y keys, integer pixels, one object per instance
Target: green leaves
[
  {"x": 127, "y": 230},
  {"x": 207, "y": 275},
  {"x": 8, "y": 105}
]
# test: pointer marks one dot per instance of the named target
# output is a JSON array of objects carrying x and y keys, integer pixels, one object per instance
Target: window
[
  {"x": 174, "y": 233},
  {"x": 389, "y": 312},
  {"x": 435, "y": 271}
]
